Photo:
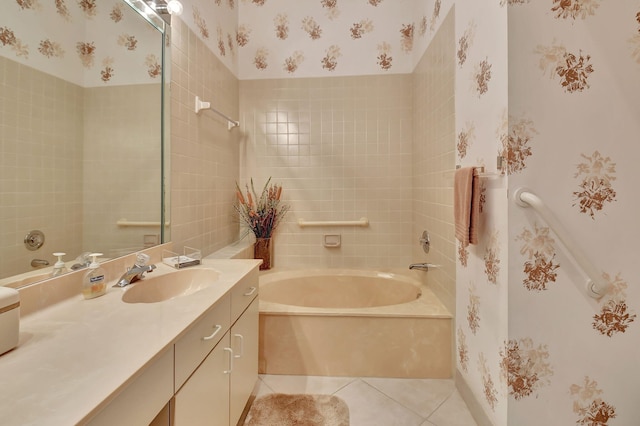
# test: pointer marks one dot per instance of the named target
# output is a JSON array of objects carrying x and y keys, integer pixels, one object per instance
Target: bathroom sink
[{"x": 153, "y": 289}]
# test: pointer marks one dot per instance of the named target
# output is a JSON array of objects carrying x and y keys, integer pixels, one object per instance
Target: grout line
[
  {"x": 409, "y": 408},
  {"x": 353, "y": 380},
  {"x": 263, "y": 383},
  {"x": 395, "y": 400},
  {"x": 391, "y": 398},
  {"x": 441, "y": 404},
  {"x": 350, "y": 379}
]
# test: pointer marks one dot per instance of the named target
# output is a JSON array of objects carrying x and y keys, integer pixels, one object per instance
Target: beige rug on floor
[{"x": 279, "y": 409}]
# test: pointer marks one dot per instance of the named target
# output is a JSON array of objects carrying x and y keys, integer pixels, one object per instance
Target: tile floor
[{"x": 382, "y": 402}]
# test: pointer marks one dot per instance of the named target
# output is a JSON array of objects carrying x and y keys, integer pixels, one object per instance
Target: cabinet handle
[
  {"x": 251, "y": 291},
  {"x": 230, "y": 361},
  {"x": 218, "y": 328},
  {"x": 241, "y": 337}
]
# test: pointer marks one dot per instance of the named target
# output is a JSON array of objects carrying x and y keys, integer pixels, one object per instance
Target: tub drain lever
[{"x": 425, "y": 241}]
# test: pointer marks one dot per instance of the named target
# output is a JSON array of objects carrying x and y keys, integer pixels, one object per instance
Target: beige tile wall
[
  {"x": 69, "y": 171},
  {"x": 434, "y": 160},
  {"x": 40, "y": 164},
  {"x": 341, "y": 148},
  {"x": 121, "y": 179},
  {"x": 204, "y": 153}
]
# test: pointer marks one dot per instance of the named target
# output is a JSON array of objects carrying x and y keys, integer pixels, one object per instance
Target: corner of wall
[{"x": 475, "y": 408}]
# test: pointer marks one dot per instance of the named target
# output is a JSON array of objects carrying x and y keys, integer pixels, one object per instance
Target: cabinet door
[
  {"x": 204, "y": 398},
  {"x": 244, "y": 342}
]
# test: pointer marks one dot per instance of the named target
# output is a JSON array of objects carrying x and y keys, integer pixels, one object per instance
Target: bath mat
[{"x": 298, "y": 410}]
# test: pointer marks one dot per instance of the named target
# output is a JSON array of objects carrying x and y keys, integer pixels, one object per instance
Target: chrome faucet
[
  {"x": 134, "y": 274},
  {"x": 82, "y": 261},
  {"x": 422, "y": 266}
]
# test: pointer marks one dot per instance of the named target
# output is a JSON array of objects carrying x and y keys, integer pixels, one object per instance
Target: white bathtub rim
[
  {"x": 293, "y": 273},
  {"x": 427, "y": 305}
]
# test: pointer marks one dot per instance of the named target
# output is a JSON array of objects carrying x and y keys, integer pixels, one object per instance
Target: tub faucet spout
[
  {"x": 39, "y": 263},
  {"x": 421, "y": 266}
]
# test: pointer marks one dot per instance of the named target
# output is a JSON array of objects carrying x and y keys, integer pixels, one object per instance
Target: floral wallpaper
[
  {"x": 571, "y": 69},
  {"x": 596, "y": 174},
  {"x": 589, "y": 407},
  {"x": 525, "y": 367},
  {"x": 567, "y": 132},
  {"x": 325, "y": 38},
  {"x": 538, "y": 246},
  {"x": 130, "y": 54},
  {"x": 258, "y": 39}
]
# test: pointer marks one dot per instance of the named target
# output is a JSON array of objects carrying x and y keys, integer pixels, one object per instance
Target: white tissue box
[{"x": 9, "y": 318}]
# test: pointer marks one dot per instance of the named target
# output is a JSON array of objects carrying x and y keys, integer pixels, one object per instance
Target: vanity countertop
[{"x": 75, "y": 356}]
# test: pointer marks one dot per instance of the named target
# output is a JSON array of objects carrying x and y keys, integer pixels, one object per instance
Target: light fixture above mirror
[
  {"x": 172, "y": 7},
  {"x": 165, "y": 9}
]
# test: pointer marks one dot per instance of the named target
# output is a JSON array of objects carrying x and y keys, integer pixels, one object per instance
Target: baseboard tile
[{"x": 472, "y": 402}]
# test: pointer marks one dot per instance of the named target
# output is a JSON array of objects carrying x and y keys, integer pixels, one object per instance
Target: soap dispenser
[
  {"x": 59, "y": 268},
  {"x": 93, "y": 282}
]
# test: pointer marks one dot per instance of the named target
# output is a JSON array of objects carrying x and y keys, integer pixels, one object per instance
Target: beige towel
[{"x": 466, "y": 205}]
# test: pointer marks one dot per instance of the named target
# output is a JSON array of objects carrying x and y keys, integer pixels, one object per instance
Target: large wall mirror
[{"x": 82, "y": 102}]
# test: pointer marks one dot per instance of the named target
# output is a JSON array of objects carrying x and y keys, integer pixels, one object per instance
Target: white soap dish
[{"x": 332, "y": 240}]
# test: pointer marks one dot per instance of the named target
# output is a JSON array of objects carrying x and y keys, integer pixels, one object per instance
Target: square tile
[
  {"x": 370, "y": 407},
  {"x": 422, "y": 396},
  {"x": 305, "y": 384},
  {"x": 453, "y": 412},
  {"x": 262, "y": 389},
  {"x": 381, "y": 401}
]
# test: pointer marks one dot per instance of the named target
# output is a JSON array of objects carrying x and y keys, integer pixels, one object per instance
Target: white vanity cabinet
[
  {"x": 141, "y": 400},
  {"x": 204, "y": 398},
  {"x": 212, "y": 388},
  {"x": 189, "y": 359},
  {"x": 244, "y": 343}
]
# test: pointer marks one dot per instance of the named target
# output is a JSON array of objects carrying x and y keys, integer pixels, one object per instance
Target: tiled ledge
[{"x": 241, "y": 249}]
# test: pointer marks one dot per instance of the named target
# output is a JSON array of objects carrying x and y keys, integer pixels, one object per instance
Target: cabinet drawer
[
  {"x": 194, "y": 346},
  {"x": 243, "y": 294}
]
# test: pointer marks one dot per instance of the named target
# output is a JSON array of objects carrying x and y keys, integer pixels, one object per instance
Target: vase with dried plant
[{"x": 261, "y": 215}]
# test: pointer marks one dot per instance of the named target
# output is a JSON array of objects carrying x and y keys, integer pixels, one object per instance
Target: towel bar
[
  {"x": 125, "y": 222},
  {"x": 200, "y": 105}
]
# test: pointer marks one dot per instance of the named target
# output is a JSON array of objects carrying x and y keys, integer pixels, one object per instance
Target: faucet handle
[{"x": 142, "y": 259}]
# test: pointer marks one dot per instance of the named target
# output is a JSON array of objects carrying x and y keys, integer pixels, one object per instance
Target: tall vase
[{"x": 263, "y": 249}]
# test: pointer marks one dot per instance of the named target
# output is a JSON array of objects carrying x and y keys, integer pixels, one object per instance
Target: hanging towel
[{"x": 466, "y": 205}]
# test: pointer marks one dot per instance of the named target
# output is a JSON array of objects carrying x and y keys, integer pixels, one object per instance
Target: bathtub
[{"x": 352, "y": 323}]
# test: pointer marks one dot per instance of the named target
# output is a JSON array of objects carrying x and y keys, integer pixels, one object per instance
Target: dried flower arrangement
[{"x": 261, "y": 215}]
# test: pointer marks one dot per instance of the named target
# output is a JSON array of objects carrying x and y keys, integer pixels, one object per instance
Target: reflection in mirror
[{"x": 81, "y": 107}]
